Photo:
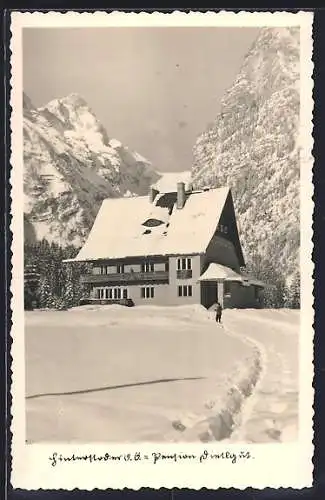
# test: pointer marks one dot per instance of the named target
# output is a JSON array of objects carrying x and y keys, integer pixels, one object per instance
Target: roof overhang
[{"x": 217, "y": 272}]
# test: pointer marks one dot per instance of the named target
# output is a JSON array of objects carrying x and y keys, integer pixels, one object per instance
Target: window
[
  {"x": 184, "y": 264},
  {"x": 147, "y": 267},
  {"x": 185, "y": 291},
  {"x": 147, "y": 292},
  {"x": 223, "y": 229},
  {"x": 115, "y": 293},
  {"x": 167, "y": 266},
  {"x": 120, "y": 268}
]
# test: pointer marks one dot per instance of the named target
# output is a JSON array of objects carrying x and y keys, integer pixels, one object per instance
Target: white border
[{"x": 278, "y": 465}]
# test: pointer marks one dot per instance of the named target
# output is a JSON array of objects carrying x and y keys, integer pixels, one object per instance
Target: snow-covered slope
[
  {"x": 70, "y": 166},
  {"x": 253, "y": 147},
  {"x": 168, "y": 180}
]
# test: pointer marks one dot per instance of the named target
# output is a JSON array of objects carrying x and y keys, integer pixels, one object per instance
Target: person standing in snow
[{"x": 218, "y": 312}]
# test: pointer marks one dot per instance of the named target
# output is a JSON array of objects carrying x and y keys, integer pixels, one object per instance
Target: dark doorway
[{"x": 208, "y": 293}]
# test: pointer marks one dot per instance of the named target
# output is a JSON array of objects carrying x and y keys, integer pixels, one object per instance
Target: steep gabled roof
[{"x": 118, "y": 230}]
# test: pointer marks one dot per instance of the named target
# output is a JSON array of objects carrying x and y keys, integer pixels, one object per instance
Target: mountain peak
[
  {"x": 74, "y": 99},
  {"x": 66, "y": 106},
  {"x": 70, "y": 166}
]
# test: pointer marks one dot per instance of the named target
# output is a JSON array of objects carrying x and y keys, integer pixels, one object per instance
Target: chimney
[
  {"x": 180, "y": 195},
  {"x": 152, "y": 194}
]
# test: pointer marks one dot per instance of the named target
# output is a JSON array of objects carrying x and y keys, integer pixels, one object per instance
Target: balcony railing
[
  {"x": 121, "y": 302},
  {"x": 134, "y": 277},
  {"x": 184, "y": 274}
]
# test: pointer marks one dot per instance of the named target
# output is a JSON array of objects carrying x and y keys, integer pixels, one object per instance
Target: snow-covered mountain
[
  {"x": 253, "y": 146},
  {"x": 70, "y": 166},
  {"x": 168, "y": 180}
]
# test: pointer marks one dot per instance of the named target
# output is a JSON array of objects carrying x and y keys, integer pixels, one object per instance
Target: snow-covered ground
[
  {"x": 161, "y": 374},
  {"x": 271, "y": 414}
]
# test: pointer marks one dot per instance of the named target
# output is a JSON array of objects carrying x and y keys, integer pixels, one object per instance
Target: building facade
[{"x": 173, "y": 248}]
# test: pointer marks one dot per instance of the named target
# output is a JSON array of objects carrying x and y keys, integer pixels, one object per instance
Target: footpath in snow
[
  {"x": 159, "y": 374},
  {"x": 271, "y": 413}
]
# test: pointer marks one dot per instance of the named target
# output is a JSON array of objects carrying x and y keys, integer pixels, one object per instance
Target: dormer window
[{"x": 152, "y": 222}]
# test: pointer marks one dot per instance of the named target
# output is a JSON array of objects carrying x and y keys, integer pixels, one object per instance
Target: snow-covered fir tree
[
  {"x": 59, "y": 284},
  {"x": 46, "y": 298}
]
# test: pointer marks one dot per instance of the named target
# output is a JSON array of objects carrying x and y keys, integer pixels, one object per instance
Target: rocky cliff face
[
  {"x": 253, "y": 146},
  {"x": 70, "y": 166}
]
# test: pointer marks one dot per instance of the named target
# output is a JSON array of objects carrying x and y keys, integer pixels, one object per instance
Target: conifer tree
[
  {"x": 68, "y": 296},
  {"x": 294, "y": 291},
  {"x": 45, "y": 294}
]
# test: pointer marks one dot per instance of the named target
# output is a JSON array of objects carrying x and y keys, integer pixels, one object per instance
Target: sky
[{"x": 154, "y": 89}]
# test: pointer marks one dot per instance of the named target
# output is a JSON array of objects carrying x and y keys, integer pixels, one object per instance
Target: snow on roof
[
  {"x": 217, "y": 272},
  {"x": 253, "y": 281},
  {"x": 118, "y": 230}
]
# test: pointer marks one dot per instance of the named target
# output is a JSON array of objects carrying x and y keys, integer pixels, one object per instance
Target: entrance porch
[{"x": 230, "y": 289}]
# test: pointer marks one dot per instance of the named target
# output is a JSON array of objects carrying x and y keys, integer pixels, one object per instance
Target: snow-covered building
[{"x": 170, "y": 248}]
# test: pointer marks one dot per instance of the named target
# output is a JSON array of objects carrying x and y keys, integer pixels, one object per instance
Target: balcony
[
  {"x": 184, "y": 274},
  {"x": 102, "y": 302},
  {"x": 125, "y": 278}
]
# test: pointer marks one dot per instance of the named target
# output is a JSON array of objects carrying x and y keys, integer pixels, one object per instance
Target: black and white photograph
[{"x": 163, "y": 272}]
